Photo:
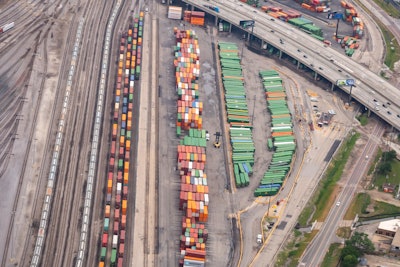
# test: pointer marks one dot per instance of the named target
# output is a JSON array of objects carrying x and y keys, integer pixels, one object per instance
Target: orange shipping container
[
  {"x": 119, "y": 72},
  {"x": 107, "y": 211},
  {"x": 126, "y": 177},
  {"x": 109, "y": 186},
  {"x": 129, "y": 125},
  {"x": 101, "y": 264},
  {"x": 122, "y": 141},
  {"x": 124, "y": 207},
  {"x": 129, "y": 115},
  {"x": 123, "y": 117},
  {"x": 126, "y": 166},
  {"x": 123, "y": 222},
  {"x": 128, "y": 145}
]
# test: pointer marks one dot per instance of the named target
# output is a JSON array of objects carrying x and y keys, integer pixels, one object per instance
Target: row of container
[
  {"x": 191, "y": 151},
  {"x": 240, "y": 130},
  {"x": 282, "y": 141},
  {"x": 194, "y": 17},
  {"x": 116, "y": 202}
]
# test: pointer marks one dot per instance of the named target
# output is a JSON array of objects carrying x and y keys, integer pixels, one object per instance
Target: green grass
[
  {"x": 290, "y": 256},
  {"x": 358, "y": 206},
  {"x": 393, "y": 177},
  {"x": 382, "y": 208},
  {"x": 389, "y": 8},
  {"x": 363, "y": 119},
  {"x": 344, "y": 232},
  {"x": 333, "y": 175},
  {"x": 332, "y": 258},
  {"x": 324, "y": 195}
]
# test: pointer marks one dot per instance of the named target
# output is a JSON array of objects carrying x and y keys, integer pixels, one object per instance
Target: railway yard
[{"x": 130, "y": 139}]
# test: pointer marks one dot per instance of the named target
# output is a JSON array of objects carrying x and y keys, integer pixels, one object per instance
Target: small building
[
  {"x": 388, "y": 228},
  {"x": 388, "y": 188}
]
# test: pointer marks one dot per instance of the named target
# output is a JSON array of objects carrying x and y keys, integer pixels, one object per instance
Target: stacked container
[
  {"x": 191, "y": 156},
  {"x": 240, "y": 130},
  {"x": 113, "y": 238},
  {"x": 282, "y": 140}
]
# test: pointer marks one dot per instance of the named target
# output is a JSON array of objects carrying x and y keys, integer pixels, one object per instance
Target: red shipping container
[
  {"x": 110, "y": 176},
  {"x": 111, "y": 165},
  {"x": 119, "y": 177},
  {"x": 130, "y": 106},
  {"x": 122, "y": 236},
  {"x": 112, "y": 151},
  {"x": 120, "y": 262},
  {"x": 121, "y": 249},
  {"x": 116, "y": 215},
  {"x": 118, "y": 201},
  {"x": 104, "y": 240},
  {"x": 121, "y": 153},
  {"x": 115, "y": 116},
  {"x": 116, "y": 228},
  {"x": 125, "y": 192},
  {"x": 126, "y": 90},
  {"x": 127, "y": 155},
  {"x": 123, "y": 222}
]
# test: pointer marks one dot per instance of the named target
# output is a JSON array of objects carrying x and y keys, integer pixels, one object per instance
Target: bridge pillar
[
  {"x": 298, "y": 64},
  {"x": 315, "y": 75},
  {"x": 280, "y": 54},
  {"x": 230, "y": 27},
  {"x": 332, "y": 86},
  {"x": 216, "y": 21},
  {"x": 192, "y": 8}
]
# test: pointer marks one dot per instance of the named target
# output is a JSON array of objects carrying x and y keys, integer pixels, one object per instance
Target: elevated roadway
[{"x": 369, "y": 89}]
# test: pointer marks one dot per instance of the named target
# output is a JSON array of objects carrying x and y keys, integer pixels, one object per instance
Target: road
[
  {"x": 317, "y": 249},
  {"x": 329, "y": 63}
]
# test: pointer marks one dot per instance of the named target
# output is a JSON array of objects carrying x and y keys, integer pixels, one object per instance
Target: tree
[
  {"x": 389, "y": 155},
  {"x": 384, "y": 167},
  {"x": 361, "y": 242},
  {"x": 349, "y": 261}
]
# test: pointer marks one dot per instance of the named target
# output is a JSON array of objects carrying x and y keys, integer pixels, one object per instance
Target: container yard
[
  {"x": 116, "y": 198},
  {"x": 282, "y": 141},
  {"x": 240, "y": 130},
  {"x": 191, "y": 156}
]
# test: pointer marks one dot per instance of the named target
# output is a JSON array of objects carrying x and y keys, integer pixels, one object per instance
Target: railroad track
[
  {"x": 18, "y": 76},
  {"x": 63, "y": 233}
]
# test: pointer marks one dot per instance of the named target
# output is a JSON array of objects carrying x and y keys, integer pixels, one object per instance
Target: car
[
  {"x": 366, "y": 157},
  {"x": 305, "y": 56},
  {"x": 383, "y": 105},
  {"x": 377, "y": 108},
  {"x": 320, "y": 68},
  {"x": 398, "y": 116},
  {"x": 207, "y": 136},
  {"x": 375, "y": 100},
  {"x": 298, "y": 50},
  {"x": 388, "y": 112},
  {"x": 339, "y": 70},
  {"x": 388, "y": 103},
  {"x": 338, "y": 203},
  {"x": 259, "y": 238}
]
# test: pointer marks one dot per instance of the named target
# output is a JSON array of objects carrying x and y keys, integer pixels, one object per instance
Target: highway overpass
[{"x": 369, "y": 89}]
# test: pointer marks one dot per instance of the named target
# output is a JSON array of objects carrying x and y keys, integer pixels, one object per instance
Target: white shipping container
[
  {"x": 206, "y": 199},
  {"x": 115, "y": 241},
  {"x": 8, "y": 26},
  {"x": 119, "y": 188},
  {"x": 175, "y": 12}
]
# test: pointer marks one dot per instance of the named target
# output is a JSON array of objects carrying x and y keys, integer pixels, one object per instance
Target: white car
[
  {"x": 207, "y": 136},
  {"x": 259, "y": 238},
  {"x": 338, "y": 203}
]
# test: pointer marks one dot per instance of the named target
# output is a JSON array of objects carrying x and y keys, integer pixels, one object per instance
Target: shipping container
[
  {"x": 104, "y": 240},
  {"x": 116, "y": 228},
  {"x": 123, "y": 222},
  {"x": 103, "y": 253},
  {"x": 118, "y": 201},
  {"x": 115, "y": 241},
  {"x": 106, "y": 225},
  {"x": 122, "y": 236},
  {"x": 113, "y": 256},
  {"x": 119, "y": 177},
  {"x": 108, "y": 199},
  {"x": 116, "y": 215},
  {"x": 111, "y": 164},
  {"x": 107, "y": 211},
  {"x": 124, "y": 206},
  {"x": 125, "y": 192},
  {"x": 121, "y": 250}
]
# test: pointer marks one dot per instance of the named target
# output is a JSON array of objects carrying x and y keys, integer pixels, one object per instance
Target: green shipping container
[
  {"x": 113, "y": 256},
  {"x": 120, "y": 164},
  {"x": 122, "y": 132},
  {"x": 128, "y": 135},
  {"x": 103, "y": 253},
  {"x": 106, "y": 224}
]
